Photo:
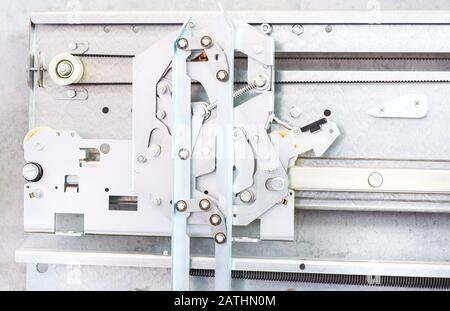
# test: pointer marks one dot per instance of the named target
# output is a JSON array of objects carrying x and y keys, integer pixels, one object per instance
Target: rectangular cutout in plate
[
  {"x": 69, "y": 224},
  {"x": 89, "y": 157},
  {"x": 122, "y": 203},
  {"x": 71, "y": 184}
]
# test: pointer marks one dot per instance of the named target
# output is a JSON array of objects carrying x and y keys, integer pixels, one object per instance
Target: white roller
[{"x": 65, "y": 69}]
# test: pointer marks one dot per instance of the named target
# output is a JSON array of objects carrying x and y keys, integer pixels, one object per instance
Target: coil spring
[
  {"x": 245, "y": 89},
  {"x": 339, "y": 279}
]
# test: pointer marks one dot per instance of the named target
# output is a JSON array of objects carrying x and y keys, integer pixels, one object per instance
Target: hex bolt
[
  {"x": 204, "y": 204},
  {"x": 266, "y": 28},
  {"x": 297, "y": 29},
  {"x": 220, "y": 237},
  {"x": 182, "y": 43},
  {"x": 215, "y": 219},
  {"x": 141, "y": 158},
  {"x": 375, "y": 179},
  {"x": 71, "y": 93},
  {"x": 181, "y": 206},
  {"x": 161, "y": 114},
  {"x": 222, "y": 75},
  {"x": 183, "y": 154},
  {"x": 206, "y": 41},
  {"x": 246, "y": 196},
  {"x": 154, "y": 150},
  {"x": 156, "y": 201}
]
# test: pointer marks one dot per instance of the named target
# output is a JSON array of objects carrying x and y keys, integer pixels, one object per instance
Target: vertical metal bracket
[
  {"x": 182, "y": 165},
  {"x": 36, "y": 66},
  {"x": 220, "y": 87}
]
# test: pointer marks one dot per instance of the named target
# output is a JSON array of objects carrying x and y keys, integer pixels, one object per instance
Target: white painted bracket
[{"x": 410, "y": 106}]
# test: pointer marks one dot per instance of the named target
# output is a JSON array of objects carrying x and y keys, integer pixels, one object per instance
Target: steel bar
[{"x": 134, "y": 259}]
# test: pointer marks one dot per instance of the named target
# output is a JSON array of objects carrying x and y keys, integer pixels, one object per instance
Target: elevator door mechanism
[{"x": 216, "y": 143}]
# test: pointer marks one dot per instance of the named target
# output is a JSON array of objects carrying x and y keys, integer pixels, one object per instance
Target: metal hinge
[{"x": 36, "y": 66}]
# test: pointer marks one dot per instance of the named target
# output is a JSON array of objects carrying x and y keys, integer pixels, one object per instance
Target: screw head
[
  {"x": 64, "y": 69},
  {"x": 182, "y": 43},
  {"x": 154, "y": 150},
  {"x": 222, "y": 75},
  {"x": 246, "y": 196},
  {"x": 296, "y": 131},
  {"x": 141, "y": 158},
  {"x": 328, "y": 28},
  {"x": 183, "y": 154},
  {"x": 71, "y": 93},
  {"x": 39, "y": 146},
  {"x": 156, "y": 201},
  {"x": 204, "y": 204},
  {"x": 206, "y": 41},
  {"x": 220, "y": 237},
  {"x": 162, "y": 88},
  {"x": 297, "y": 29},
  {"x": 72, "y": 46},
  {"x": 215, "y": 219},
  {"x": 266, "y": 28},
  {"x": 181, "y": 206},
  {"x": 375, "y": 179},
  {"x": 107, "y": 28},
  {"x": 161, "y": 114}
]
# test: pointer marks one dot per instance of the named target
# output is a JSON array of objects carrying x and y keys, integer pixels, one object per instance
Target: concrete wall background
[{"x": 14, "y": 24}]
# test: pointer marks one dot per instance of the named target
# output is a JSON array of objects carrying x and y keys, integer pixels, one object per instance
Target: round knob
[{"x": 32, "y": 172}]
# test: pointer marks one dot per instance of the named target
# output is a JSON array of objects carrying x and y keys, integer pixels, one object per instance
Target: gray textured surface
[{"x": 384, "y": 228}]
